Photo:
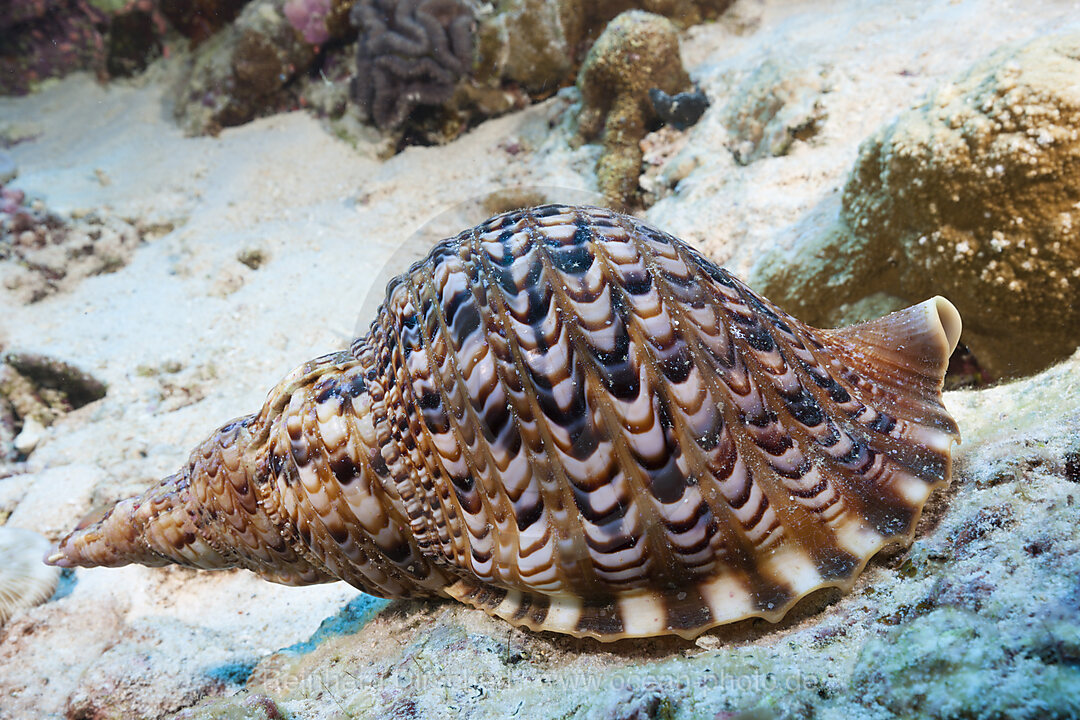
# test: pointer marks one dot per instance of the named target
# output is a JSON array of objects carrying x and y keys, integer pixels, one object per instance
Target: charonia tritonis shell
[{"x": 577, "y": 423}]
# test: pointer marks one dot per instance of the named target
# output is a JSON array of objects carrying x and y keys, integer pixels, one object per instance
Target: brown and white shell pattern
[{"x": 579, "y": 424}]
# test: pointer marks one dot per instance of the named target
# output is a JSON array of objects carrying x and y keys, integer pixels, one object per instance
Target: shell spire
[
  {"x": 577, "y": 423},
  {"x": 251, "y": 496},
  {"x": 206, "y": 516}
]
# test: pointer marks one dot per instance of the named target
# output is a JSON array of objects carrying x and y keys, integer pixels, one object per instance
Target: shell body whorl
[{"x": 577, "y": 423}]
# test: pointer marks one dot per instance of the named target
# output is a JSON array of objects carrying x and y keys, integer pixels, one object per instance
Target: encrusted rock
[
  {"x": 977, "y": 190},
  {"x": 537, "y": 44},
  {"x": 638, "y": 51},
  {"x": 974, "y": 194},
  {"x": 240, "y": 73}
]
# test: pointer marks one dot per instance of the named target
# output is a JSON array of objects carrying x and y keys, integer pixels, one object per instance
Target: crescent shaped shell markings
[{"x": 577, "y": 423}]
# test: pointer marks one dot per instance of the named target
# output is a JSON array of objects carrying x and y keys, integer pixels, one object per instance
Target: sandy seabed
[{"x": 187, "y": 336}]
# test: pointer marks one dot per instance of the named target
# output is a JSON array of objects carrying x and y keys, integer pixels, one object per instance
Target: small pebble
[
  {"x": 252, "y": 257},
  {"x": 29, "y": 437}
]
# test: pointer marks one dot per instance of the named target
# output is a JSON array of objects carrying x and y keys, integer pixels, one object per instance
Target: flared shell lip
[
  {"x": 949, "y": 320},
  {"x": 773, "y": 616}
]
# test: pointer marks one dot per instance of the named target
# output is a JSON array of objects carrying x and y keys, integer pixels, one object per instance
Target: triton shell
[{"x": 579, "y": 424}]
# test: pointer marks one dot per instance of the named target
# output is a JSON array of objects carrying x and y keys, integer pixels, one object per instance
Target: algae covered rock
[
  {"x": 199, "y": 19},
  {"x": 973, "y": 194},
  {"x": 240, "y": 73},
  {"x": 637, "y": 52},
  {"x": 956, "y": 662},
  {"x": 529, "y": 43},
  {"x": 536, "y": 44},
  {"x": 46, "y": 39},
  {"x": 461, "y": 59},
  {"x": 978, "y": 190}
]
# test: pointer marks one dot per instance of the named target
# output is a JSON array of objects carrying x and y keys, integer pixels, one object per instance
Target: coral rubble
[
  {"x": 638, "y": 51},
  {"x": 42, "y": 252}
]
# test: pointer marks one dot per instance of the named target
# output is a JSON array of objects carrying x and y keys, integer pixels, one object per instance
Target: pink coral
[{"x": 309, "y": 18}]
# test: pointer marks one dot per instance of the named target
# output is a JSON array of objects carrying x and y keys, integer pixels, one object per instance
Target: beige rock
[
  {"x": 777, "y": 104},
  {"x": 973, "y": 194}
]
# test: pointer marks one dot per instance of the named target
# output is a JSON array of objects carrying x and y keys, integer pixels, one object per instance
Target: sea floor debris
[{"x": 35, "y": 390}]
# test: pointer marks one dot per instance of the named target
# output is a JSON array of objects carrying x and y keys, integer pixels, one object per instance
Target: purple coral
[
  {"x": 411, "y": 52},
  {"x": 309, "y": 19}
]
